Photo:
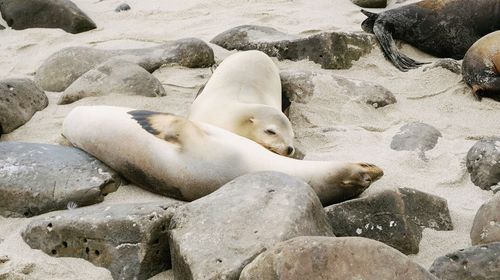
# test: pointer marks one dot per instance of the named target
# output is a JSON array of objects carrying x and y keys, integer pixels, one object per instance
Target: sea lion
[
  {"x": 244, "y": 96},
  {"x": 443, "y": 28},
  {"x": 481, "y": 67},
  {"x": 176, "y": 157}
]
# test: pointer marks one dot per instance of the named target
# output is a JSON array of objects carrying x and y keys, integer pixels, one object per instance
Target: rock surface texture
[
  {"x": 215, "y": 236},
  {"x": 130, "y": 240},
  {"x": 19, "y": 100},
  {"x": 113, "y": 77},
  {"x": 332, "y": 50},
  {"x": 62, "y": 68},
  {"x": 486, "y": 225},
  {"x": 39, "y": 178},
  {"x": 327, "y": 258},
  {"x": 483, "y": 163},
  {"x": 63, "y": 14},
  {"x": 394, "y": 217},
  {"x": 475, "y": 263}
]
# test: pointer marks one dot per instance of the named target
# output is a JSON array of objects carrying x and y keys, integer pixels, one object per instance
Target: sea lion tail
[
  {"x": 367, "y": 24},
  {"x": 401, "y": 61}
]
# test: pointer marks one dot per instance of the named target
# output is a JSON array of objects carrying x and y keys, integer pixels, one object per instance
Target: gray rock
[
  {"x": 2, "y": 27},
  {"x": 370, "y": 3},
  {"x": 19, "y": 100},
  {"x": 332, "y": 50},
  {"x": 122, "y": 7},
  {"x": 325, "y": 258},
  {"x": 64, "y": 14},
  {"x": 130, "y": 240},
  {"x": 39, "y": 178},
  {"x": 483, "y": 163},
  {"x": 62, "y": 68},
  {"x": 215, "y": 236},
  {"x": 415, "y": 136},
  {"x": 394, "y": 217},
  {"x": 474, "y": 263},
  {"x": 113, "y": 77},
  {"x": 486, "y": 225}
]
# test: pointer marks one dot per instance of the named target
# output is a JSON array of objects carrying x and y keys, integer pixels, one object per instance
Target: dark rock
[
  {"x": 415, "y": 136},
  {"x": 113, "y": 77},
  {"x": 483, "y": 163},
  {"x": 320, "y": 258},
  {"x": 486, "y": 226},
  {"x": 474, "y": 263},
  {"x": 64, "y": 14},
  {"x": 130, "y": 240},
  {"x": 332, "y": 50},
  {"x": 39, "y": 178},
  {"x": 215, "y": 236},
  {"x": 370, "y": 3},
  {"x": 4, "y": 258},
  {"x": 122, "y": 7},
  {"x": 19, "y": 100},
  {"x": 62, "y": 68},
  {"x": 394, "y": 217},
  {"x": 2, "y": 27}
]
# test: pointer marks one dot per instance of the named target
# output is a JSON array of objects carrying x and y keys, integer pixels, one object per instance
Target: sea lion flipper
[
  {"x": 367, "y": 24},
  {"x": 401, "y": 61}
]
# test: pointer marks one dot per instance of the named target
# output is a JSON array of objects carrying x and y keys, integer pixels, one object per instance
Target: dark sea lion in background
[
  {"x": 481, "y": 67},
  {"x": 443, "y": 28}
]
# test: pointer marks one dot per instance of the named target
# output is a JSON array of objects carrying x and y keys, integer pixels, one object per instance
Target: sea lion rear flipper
[
  {"x": 367, "y": 24},
  {"x": 401, "y": 61}
]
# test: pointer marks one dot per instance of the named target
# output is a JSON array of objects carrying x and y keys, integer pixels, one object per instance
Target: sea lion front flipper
[
  {"x": 168, "y": 127},
  {"x": 401, "y": 61}
]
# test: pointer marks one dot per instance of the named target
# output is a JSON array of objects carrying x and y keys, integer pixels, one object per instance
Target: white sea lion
[
  {"x": 174, "y": 156},
  {"x": 244, "y": 96}
]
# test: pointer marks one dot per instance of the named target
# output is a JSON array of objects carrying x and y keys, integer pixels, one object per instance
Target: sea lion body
[
  {"x": 481, "y": 67},
  {"x": 244, "y": 96},
  {"x": 179, "y": 158},
  {"x": 443, "y": 28}
]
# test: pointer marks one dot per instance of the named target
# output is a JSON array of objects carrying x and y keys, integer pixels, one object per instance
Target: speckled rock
[
  {"x": 474, "y": 263},
  {"x": 62, "y": 68},
  {"x": 394, "y": 217},
  {"x": 326, "y": 258},
  {"x": 332, "y": 50},
  {"x": 130, "y": 240},
  {"x": 39, "y": 178},
  {"x": 483, "y": 163},
  {"x": 370, "y": 3},
  {"x": 113, "y": 77},
  {"x": 215, "y": 236},
  {"x": 64, "y": 14},
  {"x": 122, "y": 7},
  {"x": 486, "y": 225},
  {"x": 19, "y": 100}
]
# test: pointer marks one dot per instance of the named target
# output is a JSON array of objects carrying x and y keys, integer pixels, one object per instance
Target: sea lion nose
[{"x": 290, "y": 150}]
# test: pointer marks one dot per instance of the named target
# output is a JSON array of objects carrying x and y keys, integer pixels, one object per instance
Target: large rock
[
  {"x": 215, "y": 236},
  {"x": 332, "y": 50},
  {"x": 64, "y": 14},
  {"x": 370, "y": 3},
  {"x": 62, "y": 68},
  {"x": 326, "y": 258},
  {"x": 486, "y": 225},
  {"x": 483, "y": 163},
  {"x": 39, "y": 178},
  {"x": 113, "y": 77},
  {"x": 394, "y": 217},
  {"x": 474, "y": 263},
  {"x": 19, "y": 100},
  {"x": 130, "y": 240}
]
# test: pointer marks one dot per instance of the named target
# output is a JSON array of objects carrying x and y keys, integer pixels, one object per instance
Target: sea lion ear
[{"x": 162, "y": 125}]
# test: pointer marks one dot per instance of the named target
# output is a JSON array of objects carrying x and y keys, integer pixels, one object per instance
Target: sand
[{"x": 358, "y": 133}]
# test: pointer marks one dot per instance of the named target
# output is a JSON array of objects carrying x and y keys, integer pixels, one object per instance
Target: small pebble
[{"x": 122, "y": 7}]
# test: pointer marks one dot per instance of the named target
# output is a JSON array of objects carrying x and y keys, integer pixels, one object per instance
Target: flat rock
[
  {"x": 415, "y": 136},
  {"x": 486, "y": 225},
  {"x": 332, "y": 50},
  {"x": 327, "y": 258},
  {"x": 19, "y": 100},
  {"x": 214, "y": 237},
  {"x": 394, "y": 217},
  {"x": 130, "y": 240},
  {"x": 474, "y": 263},
  {"x": 62, "y": 68},
  {"x": 63, "y": 14},
  {"x": 483, "y": 163},
  {"x": 113, "y": 77},
  {"x": 370, "y": 3},
  {"x": 39, "y": 178}
]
